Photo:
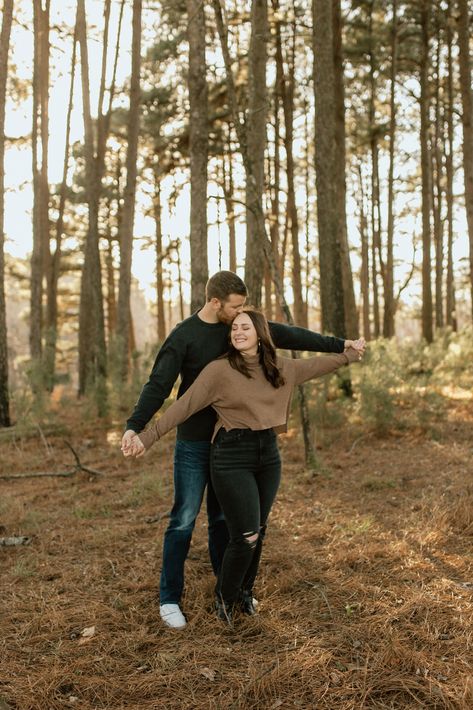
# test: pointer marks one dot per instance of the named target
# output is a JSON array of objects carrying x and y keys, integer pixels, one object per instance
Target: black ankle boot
[
  {"x": 246, "y": 602},
  {"x": 224, "y": 611}
]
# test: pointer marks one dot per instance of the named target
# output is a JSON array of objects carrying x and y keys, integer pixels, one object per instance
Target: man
[{"x": 192, "y": 344}]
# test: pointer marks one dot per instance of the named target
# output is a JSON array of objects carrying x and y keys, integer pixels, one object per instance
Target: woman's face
[{"x": 244, "y": 337}]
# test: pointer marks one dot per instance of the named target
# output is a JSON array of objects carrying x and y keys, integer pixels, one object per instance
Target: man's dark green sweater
[{"x": 188, "y": 349}]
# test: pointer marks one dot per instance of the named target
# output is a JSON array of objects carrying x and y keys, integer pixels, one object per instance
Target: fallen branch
[{"x": 55, "y": 474}]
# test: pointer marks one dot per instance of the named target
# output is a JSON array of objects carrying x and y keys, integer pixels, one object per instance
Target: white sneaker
[{"x": 172, "y": 616}]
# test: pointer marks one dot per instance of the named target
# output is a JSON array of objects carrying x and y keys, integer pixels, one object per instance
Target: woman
[{"x": 250, "y": 389}]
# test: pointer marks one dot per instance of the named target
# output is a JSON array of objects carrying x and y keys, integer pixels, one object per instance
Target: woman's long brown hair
[{"x": 266, "y": 351}]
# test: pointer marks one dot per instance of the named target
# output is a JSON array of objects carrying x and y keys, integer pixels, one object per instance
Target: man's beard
[{"x": 223, "y": 317}]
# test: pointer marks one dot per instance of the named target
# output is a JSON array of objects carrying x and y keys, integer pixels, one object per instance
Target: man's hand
[
  {"x": 358, "y": 345},
  {"x": 126, "y": 441}
]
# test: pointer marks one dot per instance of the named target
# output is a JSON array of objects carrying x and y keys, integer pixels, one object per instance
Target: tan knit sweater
[{"x": 243, "y": 403}]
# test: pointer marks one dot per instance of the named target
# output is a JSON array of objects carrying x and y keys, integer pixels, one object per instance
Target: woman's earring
[{"x": 259, "y": 344}]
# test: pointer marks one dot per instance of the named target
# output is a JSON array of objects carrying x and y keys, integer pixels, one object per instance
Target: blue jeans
[{"x": 191, "y": 476}]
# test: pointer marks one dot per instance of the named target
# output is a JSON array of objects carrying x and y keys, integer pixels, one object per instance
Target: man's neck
[{"x": 207, "y": 313}]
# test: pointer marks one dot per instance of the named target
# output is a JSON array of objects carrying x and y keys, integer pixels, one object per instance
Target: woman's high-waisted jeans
[{"x": 245, "y": 469}]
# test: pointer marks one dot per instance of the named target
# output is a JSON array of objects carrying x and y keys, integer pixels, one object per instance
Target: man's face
[{"x": 230, "y": 308}]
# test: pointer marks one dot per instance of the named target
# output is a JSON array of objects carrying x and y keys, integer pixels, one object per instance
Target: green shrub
[{"x": 380, "y": 376}]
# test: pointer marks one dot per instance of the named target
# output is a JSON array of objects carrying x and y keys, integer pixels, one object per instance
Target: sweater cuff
[{"x": 148, "y": 437}]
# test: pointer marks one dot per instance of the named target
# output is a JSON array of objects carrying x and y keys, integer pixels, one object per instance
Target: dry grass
[{"x": 365, "y": 589}]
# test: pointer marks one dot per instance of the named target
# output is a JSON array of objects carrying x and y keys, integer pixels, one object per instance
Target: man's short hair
[{"x": 222, "y": 284}]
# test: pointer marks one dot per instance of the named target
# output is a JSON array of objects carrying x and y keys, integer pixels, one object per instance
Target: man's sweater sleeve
[
  {"x": 309, "y": 368},
  {"x": 199, "y": 395},
  {"x": 164, "y": 374},
  {"x": 292, "y": 337}
]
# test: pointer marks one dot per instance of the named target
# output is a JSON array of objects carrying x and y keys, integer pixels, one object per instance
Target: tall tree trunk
[
  {"x": 55, "y": 261},
  {"x": 437, "y": 179},
  {"x": 92, "y": 350},
  {"x": 179, "y": 279},
  {"x": 161, "y": 329},
  {"x": 450, "y": 314},
  {"x": 351, "y": 314},
  {"x": 331, "y": 279},
  {"x": 256, "y": 141},
  {"x": 275, "y": 186},
  {"x": 128, "y": 215},
  {"x": 365, "y": 266},
  {"x": 307, "y": 215},
  {"x": 110, "y": 271},
  {"x": 427, "y": 331},
  {"x": 389, "y": 311},
  {"x": 198, "y": 150},
  {"x": 467, "y": 121},
  {"x": 44, "y": 112},
  {"x": 375, "y": 195},
  {"x": 7, "y": 16},
  {"x": 39, "y": 133},
  {"x": 229, "y": 204},
  {"x": 286, "y": 88}
]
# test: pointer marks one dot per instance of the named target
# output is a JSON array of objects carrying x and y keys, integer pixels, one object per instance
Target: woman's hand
[{"x": 358, "y": 345}]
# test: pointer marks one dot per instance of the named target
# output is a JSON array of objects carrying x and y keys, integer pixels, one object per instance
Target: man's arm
[
  {"x": 164, "y": 374},
  {"x": 292, "y": 337}
]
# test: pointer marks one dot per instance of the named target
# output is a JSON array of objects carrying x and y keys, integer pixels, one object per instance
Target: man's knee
[{"x": 183, "y": 518}]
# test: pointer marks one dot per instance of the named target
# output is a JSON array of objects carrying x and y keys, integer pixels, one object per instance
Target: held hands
[
  {"x": 358, "y": 345},
  {"x": 132, "y": 444}
]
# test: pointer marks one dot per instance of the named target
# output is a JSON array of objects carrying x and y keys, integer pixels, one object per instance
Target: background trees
[{"x": 358, "y": 142}]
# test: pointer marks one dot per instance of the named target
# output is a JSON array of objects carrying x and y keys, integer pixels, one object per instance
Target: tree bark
[
  {"x": 161, "y": 322},
  {"x": 256, "y": 141},
  {"x": 110, "y": 271},
  {"x": 437, "y": 181},
  {"x": 128, "y": 215},
  {"x": 331, "y": 278},
  {"x": 351, "y": 313},
  {"x": 427, "y": 331},
  {"x": 286, "y": 87},
  {"x": 275, "y": 186},
  {"x": 7, "y": 17},
  {"x": 228, "y": 189},
  {"x": 389, "y": 310},
  {"x": 450, "y": 313},
  {"x": 375, "y": 196},
  {"x": 467, "y": 121},
  {"x": 198, "y": 150},
  {"x": 365, "y": 266},
  {"x": 40, "y": 134}
]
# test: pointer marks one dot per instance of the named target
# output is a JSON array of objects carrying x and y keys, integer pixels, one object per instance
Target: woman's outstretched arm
[{"x": 200, "y": 394}]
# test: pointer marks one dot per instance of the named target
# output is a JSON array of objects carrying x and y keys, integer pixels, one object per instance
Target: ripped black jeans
[{"x": 245, "y": 468}]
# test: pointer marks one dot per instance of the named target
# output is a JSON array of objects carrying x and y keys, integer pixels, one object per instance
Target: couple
[{"x": 226, "y": 419}]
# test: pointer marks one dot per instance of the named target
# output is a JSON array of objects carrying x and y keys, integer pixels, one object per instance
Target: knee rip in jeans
[{"x": 251, "y": 538}]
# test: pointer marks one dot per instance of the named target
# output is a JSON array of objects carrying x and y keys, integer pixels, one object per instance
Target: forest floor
[{"x": 365, "y": 590}]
